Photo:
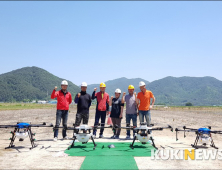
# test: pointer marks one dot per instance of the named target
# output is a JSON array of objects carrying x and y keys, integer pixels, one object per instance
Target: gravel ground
[{"x": 44, "y": 155}]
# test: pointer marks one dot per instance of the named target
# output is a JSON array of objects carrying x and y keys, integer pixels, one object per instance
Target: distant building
[{"x": 41, "y": 102}]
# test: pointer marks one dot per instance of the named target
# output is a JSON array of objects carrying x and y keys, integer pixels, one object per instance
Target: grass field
[{"x": 22, "y": 106}]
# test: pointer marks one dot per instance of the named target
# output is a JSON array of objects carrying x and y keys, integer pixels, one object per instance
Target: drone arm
[
  {"x": 216, "y": 132},
  {"x": 7, "y": 126},
  {"x": 42, "y": 125},
  {"x": 158, "y": 128}
]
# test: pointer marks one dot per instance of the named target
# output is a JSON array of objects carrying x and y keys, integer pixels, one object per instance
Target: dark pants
[
  {"x": 61, "y": 114},
  {"x": 134, "y": 120},
  {"x": 116, "y": 121},
  {"x": 102, "y": 115},
  {"x": 81, "y": 117}
]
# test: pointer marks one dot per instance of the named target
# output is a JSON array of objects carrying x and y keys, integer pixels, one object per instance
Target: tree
[{"x": 188, "y": 104}]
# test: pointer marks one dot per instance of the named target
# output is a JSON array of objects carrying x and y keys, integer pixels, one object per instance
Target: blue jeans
[
  {"x": 61, "y": 114},
  {"x": 147, "y": 116},
  {"x": 134, "y": 119},
  {"x": 102, "y": 115}
]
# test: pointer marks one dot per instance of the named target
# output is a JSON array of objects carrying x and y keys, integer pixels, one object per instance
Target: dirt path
[{"x": 43, "y": 157}]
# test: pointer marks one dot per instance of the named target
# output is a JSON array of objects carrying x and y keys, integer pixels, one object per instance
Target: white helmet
[
  {"x": 84, "y": 84},
  {"x": 142, "y": 83},
  {"x": 117, "y": 91},
  {"x": 64, "y": 82}
]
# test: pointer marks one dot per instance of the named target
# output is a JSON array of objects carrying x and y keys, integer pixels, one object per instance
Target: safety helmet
[
  {"x": 102, "y": 85},
  {"x": 64, "y": 82},
  {"x": 142, "y": 83},
  {"x": 117, "y": 91},
  {"x": 84, "y": 84},
  {"x": 131, "y": 87}
]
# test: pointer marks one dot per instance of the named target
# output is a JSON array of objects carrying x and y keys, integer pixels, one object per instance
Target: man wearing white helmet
[
  {"x": 116, "y": 109},
  {"x": 64, "y": 99},
  {"x": 83, "y": 101},
  {"x": 143, "y": 102}
]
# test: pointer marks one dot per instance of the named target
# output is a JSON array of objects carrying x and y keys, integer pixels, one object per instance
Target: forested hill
[
  {"x": 30, "y": 83},
  {"x": 199, "y": 91}
]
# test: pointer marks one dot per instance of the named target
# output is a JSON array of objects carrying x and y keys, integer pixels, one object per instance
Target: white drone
[
  {"x": 82, "y": 133},
  {"x": 143, "y": 133}
]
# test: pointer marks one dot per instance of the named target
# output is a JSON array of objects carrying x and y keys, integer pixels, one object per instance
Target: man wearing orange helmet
[
  {"x": 102, "y": 107},
  {"x": 131, "y": 108}
]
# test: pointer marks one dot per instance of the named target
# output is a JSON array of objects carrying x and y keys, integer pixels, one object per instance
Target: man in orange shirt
[{"x": 143, "y": 102}]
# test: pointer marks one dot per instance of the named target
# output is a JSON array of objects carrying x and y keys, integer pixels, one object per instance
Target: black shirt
[
  {"x": 84, "y": 102},
  {"x": 116, "y": 108}
]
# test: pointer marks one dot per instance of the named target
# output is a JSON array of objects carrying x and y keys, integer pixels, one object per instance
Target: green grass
[
  {"x": 21, "y": 106},
  {"x": 212, "y": 108}
]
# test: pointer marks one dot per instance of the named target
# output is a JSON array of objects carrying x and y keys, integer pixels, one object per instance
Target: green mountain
[
  {"x": 30, "y": 83},
  {"x": 121, "y": 83},
  {"x": 200, "y": 91},
  {"x": 33, "y": 83}
]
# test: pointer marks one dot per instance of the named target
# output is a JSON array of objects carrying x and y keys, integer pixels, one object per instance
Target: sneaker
[
  {"x": 112, "y": 137},
  {"x": 55, "y": 139},
  {"x": 117, "y": 137},
  {"x": 66, "y": 138},
  {"x": 127, "y": 137},
  {"x": 100, "y": 136}
]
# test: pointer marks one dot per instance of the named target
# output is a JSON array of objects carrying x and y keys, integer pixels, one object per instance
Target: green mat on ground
[
  {"x": 111, "y": 162},
  {"x": 102, "y": 149},
  {"x": 103, "y": 157}
]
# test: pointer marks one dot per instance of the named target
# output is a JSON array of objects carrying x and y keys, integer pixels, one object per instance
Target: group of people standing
[{"x": 136, "y": 105}]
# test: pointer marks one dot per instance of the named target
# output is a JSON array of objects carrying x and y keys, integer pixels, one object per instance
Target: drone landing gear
[
  {"x": 73, "y": 143},
  {"x": 197, "y": 139},
  {"x": 153, "y": 144},
  {"x": 14, "y": 136},
  {"x": 94, "y": 143},
  {"x": 31, "y": 138},
  {"x": 212, "y": 144},
  {"x": 131, "y": 145},
  {"x": 12, "y": 139}
]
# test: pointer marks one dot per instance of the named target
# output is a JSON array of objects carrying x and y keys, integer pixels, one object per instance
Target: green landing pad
[{"x": 103, "y": 157}]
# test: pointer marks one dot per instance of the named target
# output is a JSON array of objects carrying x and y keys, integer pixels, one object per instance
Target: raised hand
[
  {"x": 55, "y": 87},
  {"x": 79, "y": 95},
  {"x": 95, "y": 89},
  {"x": 134, "y": 93},
  {"x": 124, "y": 93}
]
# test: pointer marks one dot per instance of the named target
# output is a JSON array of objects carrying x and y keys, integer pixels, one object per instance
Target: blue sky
[{"x": 100, "y": 41}]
